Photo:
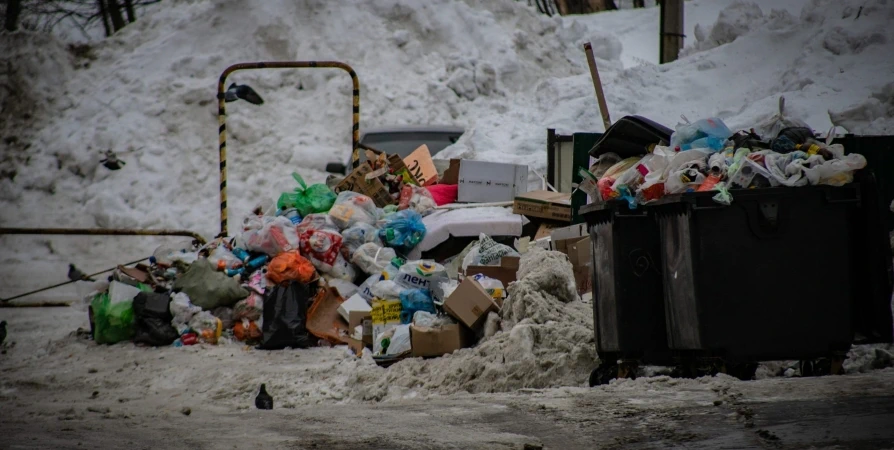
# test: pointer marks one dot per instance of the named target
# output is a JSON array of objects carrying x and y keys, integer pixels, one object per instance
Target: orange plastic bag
[
  {"x": 247, "y": 331},
  {"x": 290, "y": 266}
]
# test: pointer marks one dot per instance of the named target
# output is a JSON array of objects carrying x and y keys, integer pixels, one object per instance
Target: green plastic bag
[
  {"x": 317, "y": 198},
  {"x": 113, "y": 321}
]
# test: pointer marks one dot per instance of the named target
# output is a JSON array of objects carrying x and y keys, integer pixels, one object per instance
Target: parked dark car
[{"x": 402, "y": 140}]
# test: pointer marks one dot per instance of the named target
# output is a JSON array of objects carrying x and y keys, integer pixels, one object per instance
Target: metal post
[
  {"x": 670, "y": 30},
  {"x": 222, "y": 116},
  {"x": 597, "y": 84}
]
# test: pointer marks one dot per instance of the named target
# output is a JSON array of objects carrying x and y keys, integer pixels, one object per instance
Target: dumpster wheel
[
  {"x": 604, "y": 373},
  {"x": 832, "y": 365},
  {"x": 743, "y": 371}
]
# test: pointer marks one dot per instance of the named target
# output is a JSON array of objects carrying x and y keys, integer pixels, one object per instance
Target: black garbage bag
[
  {"x": 285, "y": 316},
  {"x": 152, "y": 319}
]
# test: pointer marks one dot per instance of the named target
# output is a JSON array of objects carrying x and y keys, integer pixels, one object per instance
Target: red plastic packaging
[{"x": 189, "y": 339}]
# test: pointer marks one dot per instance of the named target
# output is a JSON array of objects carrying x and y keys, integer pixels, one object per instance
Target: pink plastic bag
[
  {"x": 275, "y": 237},
  {"x": 444, "y": 193}
]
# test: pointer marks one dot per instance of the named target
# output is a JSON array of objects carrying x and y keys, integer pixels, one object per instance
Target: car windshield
[{"x": 403, "y": 143}]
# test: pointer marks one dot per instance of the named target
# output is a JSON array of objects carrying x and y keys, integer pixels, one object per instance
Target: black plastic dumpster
[
  {"x": 770, "y": 277},
  {"x": 873, "y": 321},
  {"x": 628, "y": 302}
]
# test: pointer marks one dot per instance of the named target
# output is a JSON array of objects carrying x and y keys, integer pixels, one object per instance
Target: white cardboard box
[
  {"x": 354, "y": 304},
  {"x": 485, "y": 182}
]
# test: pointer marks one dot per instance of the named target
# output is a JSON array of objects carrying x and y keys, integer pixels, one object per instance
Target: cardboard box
[
  {"x": 580, "y": 254},
  {"x": 421, "y": 166},
  {"x": 485, "y": 182},
  {"x": 560, "y": 238},
  {"x": 544, "y": 204},
  {"x": 374, "y": 188},
  {"x": 505, "y": 272},
  {"x": 470, "y": 303},
  {"x": 437, "y": 341},
  {"x": 355, "y": 306}
]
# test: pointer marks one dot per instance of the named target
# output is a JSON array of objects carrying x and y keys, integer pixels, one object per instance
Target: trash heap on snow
[
  {"x": 340, "y": 264},
  {"x": 706, "y": 156}
]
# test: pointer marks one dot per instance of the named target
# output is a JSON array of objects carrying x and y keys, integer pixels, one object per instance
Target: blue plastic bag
[
  {"x": 403, "y": 231},
  {"x": 705, "y": 133},
  {"x": 412, "y": 300}
]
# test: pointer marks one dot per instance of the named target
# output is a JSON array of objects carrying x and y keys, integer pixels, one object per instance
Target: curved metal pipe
[{"x": 222, "y": 116}]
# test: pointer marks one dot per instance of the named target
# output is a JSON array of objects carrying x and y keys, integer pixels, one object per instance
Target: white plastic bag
[
  {"x": 351, "y": 208},
  {"x": 836, "y": 172},
  {"x": 493, "y": 286},
  {"x": 276, "y": 236},
  {"x": 342, "y": 269},
  {"x": 399, "y": 341},
  {"x": 357, "y": 235},
  {"x": 427, "y": 319},
  {"x": 183, "y": 311},
  {"x": 230, "y": 261},
  {"x": 387, "y": 290},
  {"x": 365, "y": 288},
  {"x": 373, "y": 258}
]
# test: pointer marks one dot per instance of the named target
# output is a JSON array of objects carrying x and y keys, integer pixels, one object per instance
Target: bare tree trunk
[
  {"x": 115, "y": 13},
  {"x": 13, "y": 9},
  {"x": 584, "y": 6},
  {"x": 131, "y": 14},
  {"x": 104, "y": 12}
]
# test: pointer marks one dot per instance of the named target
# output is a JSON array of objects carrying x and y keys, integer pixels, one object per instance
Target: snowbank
[
  {"x": 496, "y": 67},
  {"x": 547, "y": 341}
]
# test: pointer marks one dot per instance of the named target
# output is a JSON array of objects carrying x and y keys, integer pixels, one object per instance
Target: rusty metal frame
[{"x": 222, "y": 116}]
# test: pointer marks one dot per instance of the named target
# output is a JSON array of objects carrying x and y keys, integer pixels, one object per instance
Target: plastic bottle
[
  {"x": 256, "y": 263},
  {"x": 234, "y": 272},
  {"x": 710, "y": 183},
  {"x": 242, "y": 254}
]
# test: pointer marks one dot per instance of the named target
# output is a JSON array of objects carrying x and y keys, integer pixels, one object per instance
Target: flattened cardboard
[
  {"x": 374, "y": 188},
  {"x": 544, "y": 204},
  {"x": 437, "y": 341},
  {"x": 579, "y": 253},
  {"x": 358, "y": 347},
  {"x": 421, "y": 166},
  {"x": 470, "y": 303},
  {"x": 485, "y": 182},
  {"x": 506, "y": 272},
  {"x": 545, "y": 230},
  {"x": 451, "y": 175}
]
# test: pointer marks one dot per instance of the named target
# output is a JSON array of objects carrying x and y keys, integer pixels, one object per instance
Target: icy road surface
[{"x": 61, "y": 391}]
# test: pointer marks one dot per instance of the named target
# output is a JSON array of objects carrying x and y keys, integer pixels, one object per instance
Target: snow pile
[
  {"x": 547, "y": 341},
  {"x": 735, "y": 21},
  {"x": 873, "y": 116},
  {"x": 497, "y": 67}
]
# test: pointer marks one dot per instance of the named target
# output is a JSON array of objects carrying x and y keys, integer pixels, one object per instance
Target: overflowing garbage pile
[
  {"x": 330, "y": 264},
  {"x": 706, "y": 156}
]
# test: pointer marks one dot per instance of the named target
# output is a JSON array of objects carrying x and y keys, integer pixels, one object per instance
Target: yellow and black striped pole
[{"x": 222, "y": 116}]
